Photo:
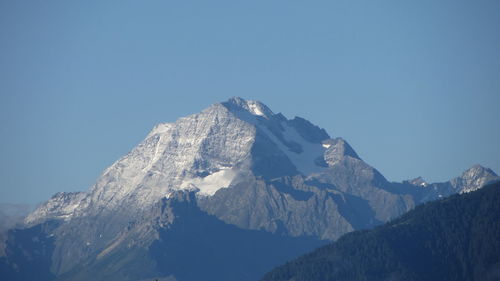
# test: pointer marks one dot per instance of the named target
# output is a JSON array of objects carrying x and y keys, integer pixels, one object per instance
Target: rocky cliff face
[{"x": 239, "y": 164}]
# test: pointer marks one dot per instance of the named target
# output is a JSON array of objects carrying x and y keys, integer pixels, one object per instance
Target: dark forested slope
[{"x": 457, "y": 238}]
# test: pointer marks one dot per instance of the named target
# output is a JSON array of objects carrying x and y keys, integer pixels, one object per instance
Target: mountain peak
[
  {"x": 418, "y": 181},
  {"x": 253, "y": 107},
  {"x": 337, "y": 149},
  {"x": 477, "y": 169},
  {"x": 474, "y": 178}
]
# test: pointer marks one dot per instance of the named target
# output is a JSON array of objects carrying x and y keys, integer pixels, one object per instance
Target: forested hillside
[{"x": 457, "y": 238}]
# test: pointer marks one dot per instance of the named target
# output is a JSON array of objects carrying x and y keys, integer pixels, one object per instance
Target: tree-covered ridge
[{"x": 457, "y": 238}]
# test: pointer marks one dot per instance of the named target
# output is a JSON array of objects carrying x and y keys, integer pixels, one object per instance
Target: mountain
[
  {"x": 244, "y": 169},
  {"x": 451, "y": 239}
]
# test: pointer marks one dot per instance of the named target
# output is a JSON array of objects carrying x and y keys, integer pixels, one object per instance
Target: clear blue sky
[{"x": 414, "y": 86}]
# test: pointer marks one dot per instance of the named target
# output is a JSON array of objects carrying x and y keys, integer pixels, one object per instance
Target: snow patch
[
  {"x": 304, "y": 161},
  {"x": 210, "y": 184},
  {"x": 254, "y": 108}
]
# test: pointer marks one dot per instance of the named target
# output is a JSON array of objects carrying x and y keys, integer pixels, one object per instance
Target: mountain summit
[
  {"x": 236, "y": 167},
  {"x": 204, "y": 152}
]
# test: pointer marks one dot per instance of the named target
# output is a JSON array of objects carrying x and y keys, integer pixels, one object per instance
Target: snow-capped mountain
[
  {"x": 204, "y": 151},
  {"x": 235, "y": 166}
]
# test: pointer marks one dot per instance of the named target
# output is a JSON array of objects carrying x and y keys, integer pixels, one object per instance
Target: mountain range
[{"x": 235, "y": 186}]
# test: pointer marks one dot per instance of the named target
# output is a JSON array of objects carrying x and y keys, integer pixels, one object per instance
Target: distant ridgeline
[{"x": 457, "y": 238}]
